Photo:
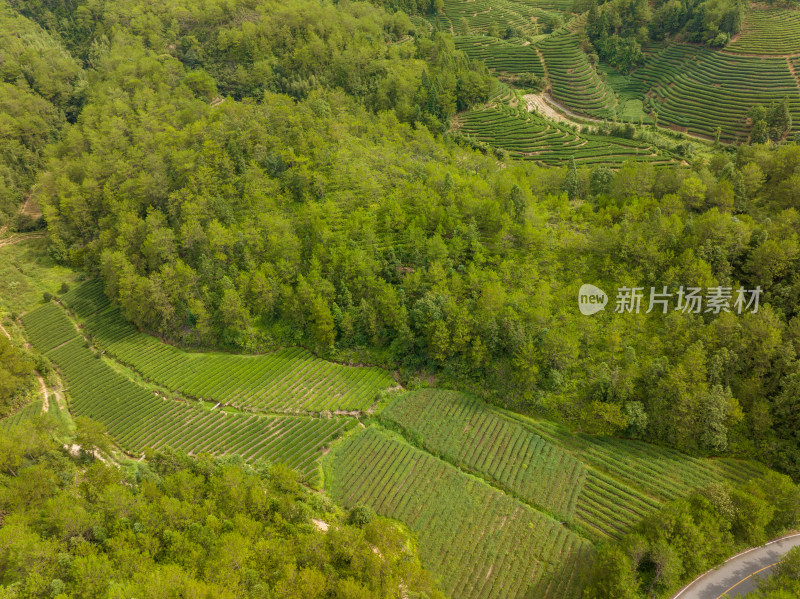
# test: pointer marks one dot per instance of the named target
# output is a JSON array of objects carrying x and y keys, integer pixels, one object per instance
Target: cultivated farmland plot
[
  {"x": 604, "y": 486},
  {"x": 768, "y": 31},
  {"x": 629, "y": 479},
  {"x": 29, "y": 412},
  {"x": 478, "y": 16},
  {"x": 288, "y": 380},
  {"x": 527, "y": 136},
  {"x": 480, "y": 542},
  {"x": 462, "y": 430},
  {"x": 696, "y": 90},
  {"x": 137, "y": 418},
  {"x": 573, "y": 80},
  {"x": 501, "y": 55}
]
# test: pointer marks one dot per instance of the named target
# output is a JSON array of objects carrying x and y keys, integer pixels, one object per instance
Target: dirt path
[
  {"x": 45, "y": 395},
  {"x": 15, "y": 238},
  {"x": 536, "y": 102},
  {"x": 793, "y": 71},
  {"x": 559, "y": 106}
]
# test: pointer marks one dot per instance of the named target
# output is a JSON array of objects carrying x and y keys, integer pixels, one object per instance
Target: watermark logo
[
  {"x": 591, "y": 299},
  {"x": 695, "y": 300}
]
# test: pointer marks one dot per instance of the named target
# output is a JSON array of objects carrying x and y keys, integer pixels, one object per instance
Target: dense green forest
[
  {"x": 74, "y": 525},
  {"x": 253, "y": 174}
]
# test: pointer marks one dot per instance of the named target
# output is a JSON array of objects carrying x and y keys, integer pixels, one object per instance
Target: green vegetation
[
  {"x": 479, "y": 542},
  {"x": 627, "y": 480},
  {"x": 506, "y": 18},
  {"x": 619, "y": 28},
  {"x": 26, "y": 273},
  {"x": 139, "y": 418},
  {"x": 604, "y": 486},
  {"x": 48, "y": 328},
  {"x": 660, "y": 472},
  {"x": 768, "y": 31},
  {"x": 461, "y": 430},
  {"x": 16, "y": 376},
  {"x": 26, "y": 414},
  {"x": 263, "y": 192},
  {"x": 697, "y": 90},
  {"x": 500, "y": 55},
  {"x": 573, "y": 80},
  {"x": 283, "y": 381},
  {"x": 530, "y": 137},
  {"x": 205, "y": 527},
  {"x": 40, "y": 85},
  {"x": 688, "y": 537}
]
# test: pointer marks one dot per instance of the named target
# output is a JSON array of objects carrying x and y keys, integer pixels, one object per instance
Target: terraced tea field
[
  {"x": 602, "y": 486},
  {"x": 29, "y": 412},
  {"x": 627, "y": 479},
  {"x": 288, "y": 380},
  {"x": 479, "y": 542},
  {"x": 501, "y": 55},
  {"x": 479, "y": 16},
  {"x": 460, "y": 429},
  {"x": 573, "y": 80},
  {"x": 695, "y": 89},
  {"x": 528, "y": 136},
  {"x": 138, "y": 418},
  {"x": 768, "y": 31},
  {"x": 49, "y": 329}
]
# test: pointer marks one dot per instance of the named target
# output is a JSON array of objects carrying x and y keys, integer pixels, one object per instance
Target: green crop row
[
  {"x": 480, "y": 16},
  {"x": 480, "y": 542},
  {"x": 609, "y": 507},
  {"x": 290, "y": 380},
  {"x": 465, "y": 431},
  {"x": 501, "y": 55},
  {"x": 530, "y": 137},
  {"x": 657, "y": 473},
  {"x": 49, "y": 328},
  {"x": 137, "y": 417},
  {"x": 29, "y": 412},
  {"x": 573, "y": 80},
  {"x": 699, "y": 90},
  {"x": 768, "y": 31},
  {"x": 87, "y": 298}
]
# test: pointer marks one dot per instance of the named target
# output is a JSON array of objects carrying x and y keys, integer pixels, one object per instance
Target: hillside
[{"x": 396, "y": 299}]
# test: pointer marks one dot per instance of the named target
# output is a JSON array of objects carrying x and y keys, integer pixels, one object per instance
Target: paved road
[{"x": 739, "y": 575}]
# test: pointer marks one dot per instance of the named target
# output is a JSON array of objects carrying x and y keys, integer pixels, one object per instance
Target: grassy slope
[{"x": 26, "y": 272}]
